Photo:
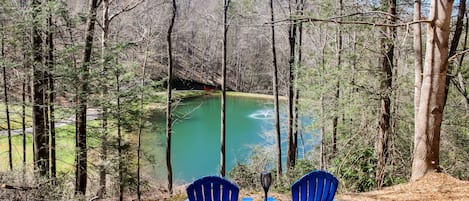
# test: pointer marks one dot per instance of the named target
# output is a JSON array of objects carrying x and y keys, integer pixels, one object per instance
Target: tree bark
[
  {"x": 461, "y": 82},
  {"x": 81, "y": 149},
  {"x": 292, "y": 28},
  {"x": 120, "y": 167},
  {"x": 226, "y": 5},
  {"x": 417, "y": 57},
  {"x": 104, "y": 107},
  {"x": 51, "y": 95},
  {"x": 323, "y": 162},
  {"x": 23, "y": 95},
  {"x": 431, "y": 105},
  {"x": 455, "y": 44},
  {"x": 387, "y": 65},
  {"x": 275, "y": 89},
  {"x": 169, "y": 99},
  {"x": 23, "y": 118},
  {"x": 41, "y": 141},
  {"x": 141, "y": 121},
  {"x": 297, "y": 90},
  {"x": 322, "y": 151},
  {"x": 335, "y": 119},
  {"x": 5, "y": 93}
]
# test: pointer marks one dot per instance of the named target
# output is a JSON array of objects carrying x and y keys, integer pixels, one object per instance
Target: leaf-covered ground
[{"x": 432, "y": 187}]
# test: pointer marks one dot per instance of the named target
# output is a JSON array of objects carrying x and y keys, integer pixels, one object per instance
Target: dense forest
[{"x": 385, "y": 81}]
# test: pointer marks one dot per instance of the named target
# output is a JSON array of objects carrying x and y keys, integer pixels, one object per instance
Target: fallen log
[{"x": 21, "y": 188}]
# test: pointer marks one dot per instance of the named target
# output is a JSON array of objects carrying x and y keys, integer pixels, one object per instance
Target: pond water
[{"x": 196, "y": 135}]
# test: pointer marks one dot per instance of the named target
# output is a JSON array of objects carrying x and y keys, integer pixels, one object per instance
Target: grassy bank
[{"x": 65, "y": 148}]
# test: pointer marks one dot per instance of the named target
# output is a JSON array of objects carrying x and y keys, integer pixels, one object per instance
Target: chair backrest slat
[
  {"x": 212, "y": 188},
  {"x": 315, "y": 186}
]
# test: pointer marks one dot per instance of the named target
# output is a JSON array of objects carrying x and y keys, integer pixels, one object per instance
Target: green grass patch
[
  {"x": 16, "y": 112},
  {"x": 65, "y": 148}
]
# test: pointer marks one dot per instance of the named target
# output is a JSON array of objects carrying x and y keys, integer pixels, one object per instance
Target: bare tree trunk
[
  {"x": 41, "y": 141},
  {"x": 119, "y": 140},
  {"x": 226, "y": 5},
  {"x": 297, "y": 91},
  {"x": 104, "y": 107},
  {"x": 82, "y": 97},
  {"x": 335, "y": 119},
  {"x": 455, "y": 44},
  {"x": 418, "y": 57},
  {"x": 51, "y": 95},
  {"x": 141, "y": 123},
  {"x": 23, "y": 94},
  {"x": 7, "y": 110},
  {"x": 292, "y": 41},
  {"x": 322, "y": 159},
  {"x": 169, "y": 99},
  {"x": 461, "y": 83},
  {"x": 387, "y": 65},
  {"x": 23, "y": 120},
  {"x": 431, "y": 106},
  {"x": 275, "y": 89},
  {"x": 223, "y": 89}
]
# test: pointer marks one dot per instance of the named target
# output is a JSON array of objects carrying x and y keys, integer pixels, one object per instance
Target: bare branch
[
  {"x": 364, "y": 13},
  {"x": 333, "y": 20},
  {"x": 452, "y": 58},
  {"x": 127, "y": 8}
]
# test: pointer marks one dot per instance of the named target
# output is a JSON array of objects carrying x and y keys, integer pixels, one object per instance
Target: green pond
[{"x": 196, "y": 136}]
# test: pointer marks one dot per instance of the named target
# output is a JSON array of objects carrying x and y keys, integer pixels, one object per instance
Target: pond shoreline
[{"x": 158, "y": 115}]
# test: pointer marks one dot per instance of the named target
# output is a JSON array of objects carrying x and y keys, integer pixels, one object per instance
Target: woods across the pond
[{"x": 384, "y": 82}]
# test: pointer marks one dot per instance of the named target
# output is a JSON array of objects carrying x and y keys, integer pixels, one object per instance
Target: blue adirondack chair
[
  {"x": 212, "y": 188},
  {"x": 315, "y": 186}
]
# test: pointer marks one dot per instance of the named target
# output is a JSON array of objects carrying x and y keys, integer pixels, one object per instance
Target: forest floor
[{"x": 434, "y": 186}]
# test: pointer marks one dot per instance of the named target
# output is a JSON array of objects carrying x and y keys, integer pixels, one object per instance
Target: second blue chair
[
  {"x": 212, "y": 188},
  {"x": 315, "y": 186}
]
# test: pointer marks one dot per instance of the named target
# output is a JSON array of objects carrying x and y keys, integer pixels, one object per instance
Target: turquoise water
[{"x": 196, "y": 135}]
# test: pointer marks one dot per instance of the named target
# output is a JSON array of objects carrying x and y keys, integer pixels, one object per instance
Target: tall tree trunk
[
  {"x": 82, "y": 97},
  {"x": 120, "y": 167},
  {"x": 5, "y": 93},
  {"x": 322, "y": 151},
  {"x": 169, "y": 99},
  {"x": 23, "y": 93},
  {"x": 323, "y": 162},
  {"x": 41, "y": 141},
  {"x": 460, "y": 77},
  {"x": 455, "y": 44},
  {"x": 141, "y": 122},
  {"x": 431, "y": 105},
  {"x": 418, "y": 63},
  {"x": 51, "y": 95},
  {"x": 23, "y": 118},
  {"x": 387, "y": 64},
  {"x": 297, "y": 91},
  {"x": 275, "y": 89},
  {"x": 104, "y": 94},
  {"x": 335, "y": 119},
  {"x": 226, "y": 4},
  {"x": 291, "y": 153}
]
